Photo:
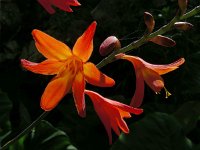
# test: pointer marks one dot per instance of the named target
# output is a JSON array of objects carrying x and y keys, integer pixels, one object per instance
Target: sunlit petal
[
  {"x": 50, "y": 47},
  {"x": 112, "y": 113},
  {"x": 95, "y": 77},
  {"x": 78, "y": 93},
  {"x": 56, "y": 90},
  {"x": 84, "y": 45},
  {"x": 163, "y": 69},
  {"x": 47, "y": 67}
]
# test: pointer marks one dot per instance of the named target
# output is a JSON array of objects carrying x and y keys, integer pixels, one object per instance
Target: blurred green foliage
[{"x": 171, "y": 123}]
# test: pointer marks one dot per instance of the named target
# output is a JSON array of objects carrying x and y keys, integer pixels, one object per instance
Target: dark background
[{"x": 166, "y": 124}]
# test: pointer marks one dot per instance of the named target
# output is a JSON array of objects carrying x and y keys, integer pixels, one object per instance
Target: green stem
[
  {"x": 145, "y": 38},
  {"x": 25, "y": 131}
]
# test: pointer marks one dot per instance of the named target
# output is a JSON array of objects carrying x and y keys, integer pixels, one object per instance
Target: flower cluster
[{"x": 72, "y": 70}]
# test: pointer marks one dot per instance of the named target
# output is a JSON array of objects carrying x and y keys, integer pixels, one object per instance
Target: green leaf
[
  {"x": 45, "y": 136},
  {"x": 157, "y": 131},
  {"x": 5, "y": 107}
]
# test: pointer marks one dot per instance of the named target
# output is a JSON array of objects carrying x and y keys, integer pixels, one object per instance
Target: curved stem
[
  {"x": 145, "y": 38},
  {"x": 25, "y": 131}
]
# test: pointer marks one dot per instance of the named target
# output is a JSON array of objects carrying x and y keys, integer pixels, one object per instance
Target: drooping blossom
[
  {"x": 70, "y": 67},
  {"x": 112, "y": 113},
  {"x": 150, "y": 74},
  {"x": 61, "y": 4}
]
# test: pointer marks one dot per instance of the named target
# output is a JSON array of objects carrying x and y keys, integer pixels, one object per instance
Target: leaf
[
  {"x": 157, "y": 131},
  {"x": 45, "y": 136},
  {"x": 5, "y": 107}
]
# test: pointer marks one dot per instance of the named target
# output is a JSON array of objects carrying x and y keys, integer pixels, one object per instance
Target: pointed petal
[
  {"x": 163, "y": 69},
  {"x": 96, "y": 99},
  {"x": 50, "y": 47},
  {"x": 47, "y": 6},
  {"x": 78, "y": 93},
  {"x": 57, "y": 88},
  {"x": 47, "y": 67},
  {"x": 124, "y": 107},
  {"x": 84, "y": 45},
  {"x": 62, "y": 4},
  {"x": 95, "y": 77},
  {"x": 153, "y": 79},
  {"x": 139, "y": 91}
]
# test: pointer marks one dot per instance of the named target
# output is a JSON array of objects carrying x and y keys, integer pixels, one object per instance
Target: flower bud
[
  {"x": 183, "y": 26},
  {"x": 163, "y": 41},
  {"x": 109, "y": 44},
  {"x": 183, "y": 5},
  {"x": 149, "y": 21}
]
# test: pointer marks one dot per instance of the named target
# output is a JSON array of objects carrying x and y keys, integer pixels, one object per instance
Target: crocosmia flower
[
  {"x": 150, "y": 73},
  {"x": 62, "y": 4},
  {"x": 70, "y": 67},
  {"x": 112, "y": 113}
]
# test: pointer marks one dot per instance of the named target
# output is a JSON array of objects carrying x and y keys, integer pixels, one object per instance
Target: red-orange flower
[
  {"x": 150, "y": 73},
  {"x": 62, "y": 4},
  {"x": 70, "y": 67},
  {"x": 112, "y": 113}
]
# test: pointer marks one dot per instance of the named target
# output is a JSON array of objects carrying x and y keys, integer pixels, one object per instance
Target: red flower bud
[
  {"x": 163, "y": 41},
  {"x": 183, "y": 26},
  {"x": 149, "y": 21},
  {"x": 183, "y": 5},
  {"x": 109, "y": 44}
]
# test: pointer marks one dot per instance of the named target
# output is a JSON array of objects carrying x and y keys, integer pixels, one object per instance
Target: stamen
[{"x": 167, "y": 93}]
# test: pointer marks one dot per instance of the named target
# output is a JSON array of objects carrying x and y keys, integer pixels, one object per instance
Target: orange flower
[
  {"x": 150, "y": 73},
  {"x": 70, "y": 67},
  {"x": 62, "y": 4},
  {"x": 112, "y": 113}
]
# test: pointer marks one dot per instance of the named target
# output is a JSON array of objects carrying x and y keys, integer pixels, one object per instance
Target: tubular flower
[
  {"x": 62, "y": 4},
  {"x": 70, "y": 67},
  {"x": 112, "y": 113},
  {"x": 150, "y": 73}
]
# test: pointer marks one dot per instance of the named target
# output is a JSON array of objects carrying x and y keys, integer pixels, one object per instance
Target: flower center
[{"x": 74, "y": 65}]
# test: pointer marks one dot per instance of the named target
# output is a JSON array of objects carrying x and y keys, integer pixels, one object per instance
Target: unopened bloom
[
  {"x": 112, "y": 113},
  {"x": 61, "y": 4},
  {"x": 150, "y": 73},
  {"x": 70, "y": 67}
]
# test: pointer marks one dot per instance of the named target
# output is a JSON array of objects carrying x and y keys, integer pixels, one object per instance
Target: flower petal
[
  {"x": 163, "y": 69},
  {"x": 56, "y": 90},
  {"x": 50, "y": 47},
  {"x": 139, "y": 91},
  {"x": 78, "y": 88},
  {"x": 101, "y": 111},
  {"x": 95, "y": 77},
  {"x": 124, "y": 107},
  {"x": 84, "y": 45},
  {"x": 47, "y": 67},
  {"x": 153, "y": 79}
]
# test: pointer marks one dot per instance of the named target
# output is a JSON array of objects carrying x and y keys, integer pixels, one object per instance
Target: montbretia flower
[
  {"x": 112, "y": 113},
  {"x": 62, "y": 4},
  {"x": 70, "y": 67},
  {"x": 150, "y": 73}
]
